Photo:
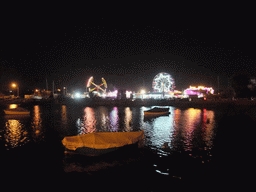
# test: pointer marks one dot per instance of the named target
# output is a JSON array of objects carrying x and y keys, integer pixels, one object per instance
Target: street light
[{"x": 15, "y": 85}]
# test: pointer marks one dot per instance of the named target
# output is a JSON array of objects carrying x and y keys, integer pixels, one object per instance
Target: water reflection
[
  {"x": 15, "y": 134},
  {"x": 208, "y": 127},
  {"x": 114, "y": 119},
  {"x": 103, "y": 119},
  {"x": 192, "y": 118},
  {"x": 180, "y": 130},
  {"x": 193, "y": 129},
  {"x": 87, "y": 124},
  {"x": 189, "y": 132},
  {"x": 14, "y": 129},
  {"x": 159, "y": 130},
  {"x": 64, "y": 118},
  {"x": 128, "y": 119},
  {"x": 36, "y": 124}
]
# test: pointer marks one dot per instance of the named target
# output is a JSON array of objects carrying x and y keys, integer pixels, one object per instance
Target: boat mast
[
  {"x": 46, "y": 85},
  {"x": 218, "y": 84},
  {"x": 53, "y": 89}
]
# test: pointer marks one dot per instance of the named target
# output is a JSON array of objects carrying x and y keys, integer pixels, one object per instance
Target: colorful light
[
  {"x": 89, "y": 81},
  {"x": 198, "y": 90},
  {"x": 163, "y": 82},
  {"x": 128, "y": 94},
  {"x": 112, "y": 94}
]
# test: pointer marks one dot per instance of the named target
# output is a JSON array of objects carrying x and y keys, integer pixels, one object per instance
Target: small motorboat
[
  {"x": 157, "y": 111},
  {"x": 16, "y": 111},
  {"x": 98, "y": 143}
]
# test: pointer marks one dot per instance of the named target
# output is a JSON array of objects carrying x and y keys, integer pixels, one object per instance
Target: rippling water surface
[
  {"x": 183, "y": 130},
  {"x": 180, "y": 130},
  {"x": 188, "y": 144}
]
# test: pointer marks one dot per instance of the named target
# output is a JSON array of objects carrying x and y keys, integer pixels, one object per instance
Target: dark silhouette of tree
[{"x": 240, "y": 82}]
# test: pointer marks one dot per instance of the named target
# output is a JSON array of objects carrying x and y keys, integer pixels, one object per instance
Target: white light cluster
[{"x": 163, "y": 82}]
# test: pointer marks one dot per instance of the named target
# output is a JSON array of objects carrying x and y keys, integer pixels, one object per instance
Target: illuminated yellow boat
[
  {"x": 93, "y": 144},
  {"x": 156, "y": 111},
  {"x": 16, "y": 111}
]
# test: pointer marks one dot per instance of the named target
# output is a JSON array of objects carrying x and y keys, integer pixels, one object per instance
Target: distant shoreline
[{"x": 130, "y": 103}]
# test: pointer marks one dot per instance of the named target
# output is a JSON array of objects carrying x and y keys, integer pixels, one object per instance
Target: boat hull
[
  {"x": 94, "y": 144},
  {"x": 92, "y": 152},
  {"x": 155, "y": 113},
  {"x": 16, "y": 112}
]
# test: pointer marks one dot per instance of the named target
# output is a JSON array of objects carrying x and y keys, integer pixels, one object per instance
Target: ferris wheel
[
  {"x": 163, "y": 82},
  {"x": 92, "y": 86}
]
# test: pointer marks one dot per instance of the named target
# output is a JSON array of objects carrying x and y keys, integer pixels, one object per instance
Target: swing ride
[{"x": 93, "y": 87}]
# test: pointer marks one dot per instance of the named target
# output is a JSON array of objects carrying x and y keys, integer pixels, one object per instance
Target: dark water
[{"x": 181, "y": 146}]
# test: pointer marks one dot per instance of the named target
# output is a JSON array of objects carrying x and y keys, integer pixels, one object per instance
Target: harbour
[
  {"x": 127, "y": 103},
  {"x": 176, "y": 146}
]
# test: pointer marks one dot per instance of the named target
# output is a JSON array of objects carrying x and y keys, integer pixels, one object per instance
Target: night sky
[{"x": 128, "y": 51}]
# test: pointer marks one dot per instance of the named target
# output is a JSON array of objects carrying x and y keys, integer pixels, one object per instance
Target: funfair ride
[
  {"x": 102, "y": 87},
  {"x": 163, "y": 82}
]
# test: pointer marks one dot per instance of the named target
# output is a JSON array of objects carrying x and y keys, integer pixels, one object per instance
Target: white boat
[
  {"x": 156, "y": 111},
  {"x": 16, "y": 111},
  {"x": 93, "y": 144}
]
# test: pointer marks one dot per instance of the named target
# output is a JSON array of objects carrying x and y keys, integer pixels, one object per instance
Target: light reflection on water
[
  {"x": 128, "y": 119},
  {"x": 20, "y": 129},
  {"x": 114, "y": 119},
  {"x": 15, "y": 133},
  {"x": 193, "y": 128},
  {"x": 181, "y": 130},
  {"x": 158, "y": 130},
  {"x": 64, "y": 117},
  {"x": 196, "y": 128},
  {"x": 36, "y": 124},
  {"x": 190, "y": 131},
  {"x": 104, "y": 119}
]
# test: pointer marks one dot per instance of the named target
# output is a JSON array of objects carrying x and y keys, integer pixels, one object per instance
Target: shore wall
[{"x": 242, "y": 105}]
